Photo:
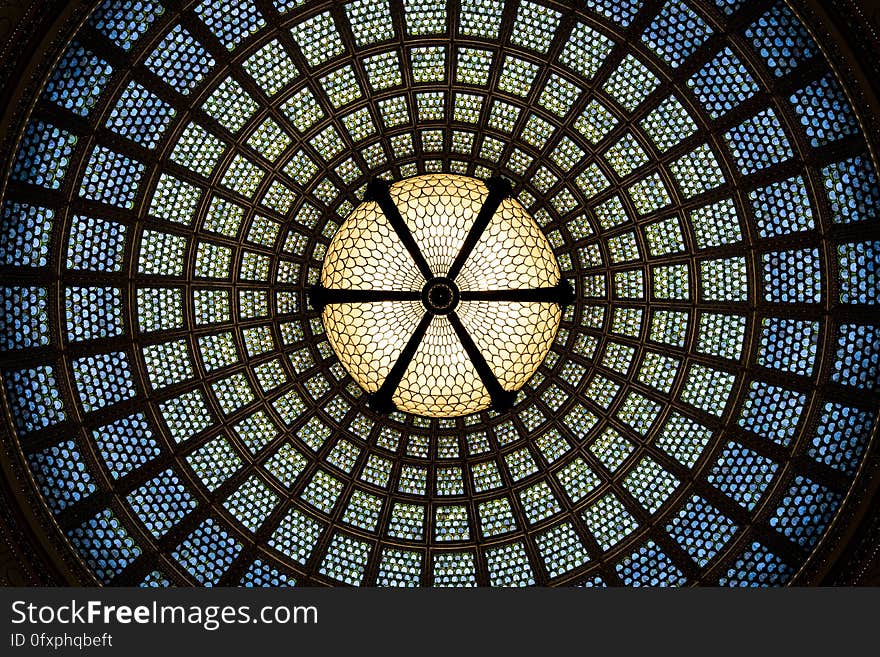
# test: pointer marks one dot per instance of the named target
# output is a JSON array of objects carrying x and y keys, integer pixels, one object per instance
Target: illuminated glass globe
[{"x": 440, "y": 295}]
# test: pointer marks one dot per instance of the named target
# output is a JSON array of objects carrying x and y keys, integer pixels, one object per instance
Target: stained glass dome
[
  {"x": 189, "y": 184},
  {"x": 440, "y": 295}
]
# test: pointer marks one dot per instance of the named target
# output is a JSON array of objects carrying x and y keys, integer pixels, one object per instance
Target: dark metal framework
[{"x": 112, "y": 493}]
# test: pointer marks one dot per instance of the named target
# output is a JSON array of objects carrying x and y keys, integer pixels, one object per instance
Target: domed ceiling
[{"x": 703, "y": 416}]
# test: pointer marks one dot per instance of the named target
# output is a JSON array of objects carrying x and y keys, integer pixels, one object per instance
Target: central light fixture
[{"x": 440, "y": 295}]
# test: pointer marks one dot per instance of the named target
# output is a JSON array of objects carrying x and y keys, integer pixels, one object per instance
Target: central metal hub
[{"x": 440, "y": 296}]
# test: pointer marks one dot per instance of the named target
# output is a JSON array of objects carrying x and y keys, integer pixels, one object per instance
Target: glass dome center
[{"x": 440, "y": 295}]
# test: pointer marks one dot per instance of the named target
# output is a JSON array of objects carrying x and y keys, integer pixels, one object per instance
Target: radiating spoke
[
  {"x": 320, "y": 296},
  {"x": 561, "y": 294},
  {"x": 381, "y": 400},
  {"x": 502, "y": 400},
  {"x": 379, "y": 190},
  {"x": 499, "y": 189}
]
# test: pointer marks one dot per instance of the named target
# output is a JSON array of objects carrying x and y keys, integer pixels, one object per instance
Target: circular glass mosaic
[
  {"x": 180, "y": 185},
  {"x": 440, "y": 296}
]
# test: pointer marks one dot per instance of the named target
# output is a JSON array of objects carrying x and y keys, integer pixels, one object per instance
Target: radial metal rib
[
  {"x": 502, "y": 400},
  {"x": 320, "y": 296},
  {"x": 379, "y": 190},
  {"x": 561, "y": 294},
  {"x": 499, "y": 189},
  {"x": 381, "y": 401}
]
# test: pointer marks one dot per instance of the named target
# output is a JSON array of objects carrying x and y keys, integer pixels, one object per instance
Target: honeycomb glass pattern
[{"x": 431, "y": 228}]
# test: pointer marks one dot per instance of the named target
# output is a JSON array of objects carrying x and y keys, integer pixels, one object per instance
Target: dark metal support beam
[
  {"x": 499, "y": 189},
  {"x": 381, "y": 400},
  {"x": 379, "y": 190},
  {"x": 502, "y": 400},
  {"x": 561, "y": 294},
  {"x": 320, "y": 296}
]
